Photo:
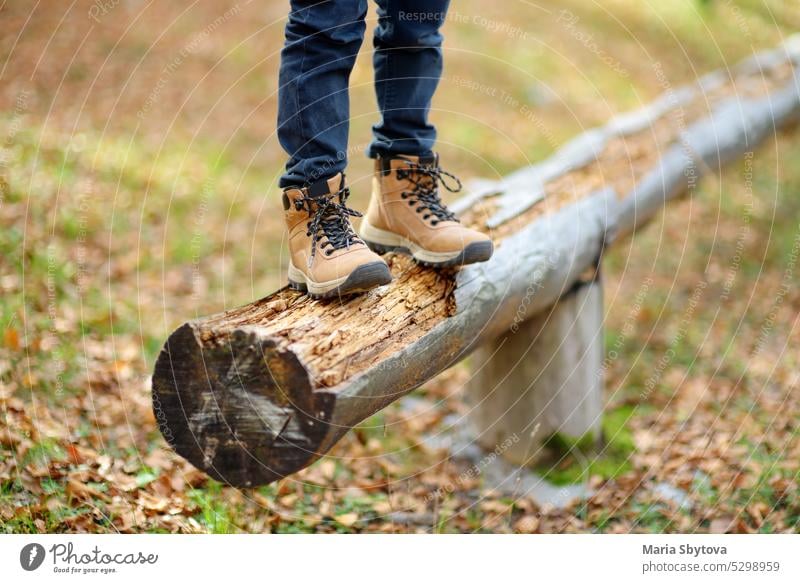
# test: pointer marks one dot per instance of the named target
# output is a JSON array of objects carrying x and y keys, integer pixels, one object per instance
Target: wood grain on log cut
[{"x": 261, "y": 391}]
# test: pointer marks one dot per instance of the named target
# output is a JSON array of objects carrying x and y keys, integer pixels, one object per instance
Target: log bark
[
  {"x": 542, "y": 378},
  {"x": 260, "y": 391}
]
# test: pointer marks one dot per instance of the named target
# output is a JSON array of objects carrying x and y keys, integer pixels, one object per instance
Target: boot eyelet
[
  {"x": 328, "y": 252},
  {"x": 434, "y": 223}
]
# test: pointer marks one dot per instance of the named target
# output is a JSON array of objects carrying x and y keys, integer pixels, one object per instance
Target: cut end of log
[{"x": 240, "y": 409}]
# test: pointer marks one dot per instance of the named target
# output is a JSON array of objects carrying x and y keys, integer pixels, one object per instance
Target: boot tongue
[
  {"x": 430, "y": 161},
  {"x": 328, "y": 217},
  {"x": 324, "y": 186}
]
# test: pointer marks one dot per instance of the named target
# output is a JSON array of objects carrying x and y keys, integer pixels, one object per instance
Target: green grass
[
  {"x": 213, "y": 511},
  {"x": 580, "y": 458}
]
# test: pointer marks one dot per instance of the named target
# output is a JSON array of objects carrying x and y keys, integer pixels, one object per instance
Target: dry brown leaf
[
  {"x": 348, "y": 519},
  {"x": 720, "y": 525},
  {"x": 328, "y": 469},
  {"x": 527, "y": 524},
  {"x": 11, "y": 339},
  {"x": 494, "y": 506},
  {"x": 81, "y": 491}
]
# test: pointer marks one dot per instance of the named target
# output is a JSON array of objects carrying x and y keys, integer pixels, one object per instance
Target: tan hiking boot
[
  {"x": 407, "y": 215},
  {"x": 326, "y": 257}
]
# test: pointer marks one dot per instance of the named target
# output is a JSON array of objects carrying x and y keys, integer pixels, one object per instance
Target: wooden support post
[{"x": 543, "y": 377}]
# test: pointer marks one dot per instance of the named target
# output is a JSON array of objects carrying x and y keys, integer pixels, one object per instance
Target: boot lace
[
  {"x": 330, "y": 220},
  {"x": 424, "y": 193}
]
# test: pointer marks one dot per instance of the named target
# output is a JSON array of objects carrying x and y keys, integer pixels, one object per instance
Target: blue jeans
[{"x": 322, "y": 41}]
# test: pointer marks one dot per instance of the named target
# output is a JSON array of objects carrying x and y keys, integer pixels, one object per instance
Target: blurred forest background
[{"x": 138, "y": 190}]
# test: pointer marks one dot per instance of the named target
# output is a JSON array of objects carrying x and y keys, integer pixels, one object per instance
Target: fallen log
[{"x": 260, "y": 391}]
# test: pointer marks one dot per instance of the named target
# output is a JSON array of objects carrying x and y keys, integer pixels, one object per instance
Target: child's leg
[
  {"x": 322, "y": 41},
  {"x": 405, "y": 212},
  {"x": 326, "y": 258},
  {"x": 408, "y": 64}
]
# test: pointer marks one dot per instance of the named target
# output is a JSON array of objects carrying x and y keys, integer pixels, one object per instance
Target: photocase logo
[{"x": 31, "y": 556}]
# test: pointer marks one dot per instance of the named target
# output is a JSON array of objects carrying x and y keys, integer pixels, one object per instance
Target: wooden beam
[{"x": 260, "y": 391}]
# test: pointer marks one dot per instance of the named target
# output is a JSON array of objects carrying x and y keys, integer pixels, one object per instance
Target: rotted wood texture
[{"x": 258, "y": 392}]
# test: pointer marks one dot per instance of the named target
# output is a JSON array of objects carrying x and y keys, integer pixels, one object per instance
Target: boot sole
[
  {"x": 381, "y": 242},
  {"x": 363, "y": 278}
]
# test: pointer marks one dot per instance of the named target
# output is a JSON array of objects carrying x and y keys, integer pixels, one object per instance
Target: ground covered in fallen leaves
[{"x": 138, "y": 190}]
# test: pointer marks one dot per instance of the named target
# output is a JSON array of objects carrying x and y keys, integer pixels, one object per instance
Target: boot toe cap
[
  {"x": 367, "y": 276},
  {"x": 477, "y": 252}
]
